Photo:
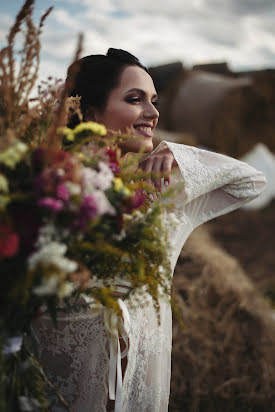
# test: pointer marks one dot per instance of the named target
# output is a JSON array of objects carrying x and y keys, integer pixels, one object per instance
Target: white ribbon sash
[{"x": 117, "y": 328}]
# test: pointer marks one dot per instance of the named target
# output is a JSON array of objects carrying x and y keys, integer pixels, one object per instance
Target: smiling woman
[
  {"x": 114, "y": 102},
  {"x": 117, "y": 90},
  {"x": 132, "y": 110}
]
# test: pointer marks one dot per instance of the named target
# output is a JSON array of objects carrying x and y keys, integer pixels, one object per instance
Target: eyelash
[{"x": 134, "y": 100}]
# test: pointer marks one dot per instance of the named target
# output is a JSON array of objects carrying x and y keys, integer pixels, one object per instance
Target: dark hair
[{"x": 93, "y": 77}]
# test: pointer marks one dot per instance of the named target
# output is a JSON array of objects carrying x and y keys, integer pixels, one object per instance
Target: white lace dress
[{"x": 76, "y": 354}]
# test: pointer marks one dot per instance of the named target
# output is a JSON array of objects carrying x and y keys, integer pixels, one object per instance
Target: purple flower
[
  {"x": 51, "y": 203},
  {"x": 88, "y": 210},
  {"x": 88, "y": 207},
  {"x": 62, "y": 192},
  {"x": 114, "y": 167}
]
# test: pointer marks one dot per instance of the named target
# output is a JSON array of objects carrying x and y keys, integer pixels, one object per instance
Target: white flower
[
  {"x": 104, "y": 177},
  {"x": 53, "y": 285},
  {"x": 91, "y": 179},
  {"x": 103, "y": 204},
  {"x": 52, "y": 254},
  {"x": 87, "y": 299},
  {"x": 73, "y": 188},
  {"x": 138, "y": 215},
  {"x": 49, "y": 286},
  {"x": 120, "y": 236},
  {"x": 90, "y": 301},
  {"x": 65, "y": 289},
  {"x": 127, "y": 217},
  {"x": 172, "y": 220},
  {"x": 46, "y": 234}
]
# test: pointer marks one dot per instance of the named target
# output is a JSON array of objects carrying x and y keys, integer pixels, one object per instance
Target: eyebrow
[{"x": 142, "y": 92}]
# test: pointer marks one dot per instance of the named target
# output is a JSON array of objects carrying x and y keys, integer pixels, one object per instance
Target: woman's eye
[
  {"x": 155, "y": 103},
  {"x": 133, "y": 100}
]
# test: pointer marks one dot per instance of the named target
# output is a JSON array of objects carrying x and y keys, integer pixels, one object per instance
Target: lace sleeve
[{"x": 214, "y": 184}]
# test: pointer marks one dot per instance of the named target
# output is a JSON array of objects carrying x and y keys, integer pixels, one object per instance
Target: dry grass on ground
[{"x": 224, "y": 360}]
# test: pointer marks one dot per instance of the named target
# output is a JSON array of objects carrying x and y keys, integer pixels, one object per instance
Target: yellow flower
[
  {"x": 4, "y": 184},
  {"x": 119, "y": 187},
  {"x": 66, "y": 132},
  {"x": 118, "y": 184},
  {"x": 95, "y": 128},
  {"x": 13, "y": 154}
]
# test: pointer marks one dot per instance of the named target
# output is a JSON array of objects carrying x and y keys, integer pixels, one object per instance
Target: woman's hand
[{"x": 159, "y": 165}]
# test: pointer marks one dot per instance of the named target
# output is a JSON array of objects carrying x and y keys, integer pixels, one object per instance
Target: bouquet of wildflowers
[
  {"x": 77, "y": 227},
  {"x": 76, "y": 224}
]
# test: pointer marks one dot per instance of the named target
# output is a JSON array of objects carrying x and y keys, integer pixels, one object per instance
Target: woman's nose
[{"x": 150, "y": 111}]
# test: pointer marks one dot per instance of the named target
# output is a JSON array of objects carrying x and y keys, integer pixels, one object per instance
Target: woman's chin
[{"x": 137, "y": 145}]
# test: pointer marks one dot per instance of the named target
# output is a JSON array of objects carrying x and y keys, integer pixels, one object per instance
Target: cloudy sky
[{"x": 241, "y": 32}]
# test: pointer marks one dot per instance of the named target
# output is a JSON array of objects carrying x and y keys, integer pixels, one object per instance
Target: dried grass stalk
[
  {"x": 60, "y": 114},
  {"x": 16, "y": 84}
]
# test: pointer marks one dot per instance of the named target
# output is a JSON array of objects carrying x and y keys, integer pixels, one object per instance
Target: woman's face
[{"x": 131, "y": 109}]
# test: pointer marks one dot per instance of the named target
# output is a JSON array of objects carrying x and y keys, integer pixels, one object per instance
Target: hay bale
[
  {"x": 249, "y": 236},
  {"x": 198, "y": 105},
  {"x": 225, "y": 113},
  {"x": 164, "y": 74},
  {"x": 224, "y": 359}
]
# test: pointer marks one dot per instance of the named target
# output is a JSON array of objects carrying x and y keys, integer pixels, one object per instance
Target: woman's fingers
[
  {"x": 156, "y": 172},
  {"x": 166, "y": 168},
  {"x": 147, "y": 165},
  {"x": 156, "y": 166}
]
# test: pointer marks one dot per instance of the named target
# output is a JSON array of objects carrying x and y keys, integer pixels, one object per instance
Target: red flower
[
  {"x": 9, "y": 242},
  {"x": 136, "y": 201},
  {"x": 112, "y": 155},
  {"x": 113, "y": 162}
]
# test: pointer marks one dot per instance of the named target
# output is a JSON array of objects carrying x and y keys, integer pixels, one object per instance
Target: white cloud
[{"x": 238, "y": 31}]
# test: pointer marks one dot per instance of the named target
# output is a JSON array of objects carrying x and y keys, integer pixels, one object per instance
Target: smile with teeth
[{"x": 144, "y": 130}]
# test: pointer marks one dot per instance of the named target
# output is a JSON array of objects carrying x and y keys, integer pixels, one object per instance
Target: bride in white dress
[{"x": 117, "y": 91}]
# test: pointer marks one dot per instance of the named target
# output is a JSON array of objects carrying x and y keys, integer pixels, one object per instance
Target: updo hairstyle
[{"x": 93, "y": 77}]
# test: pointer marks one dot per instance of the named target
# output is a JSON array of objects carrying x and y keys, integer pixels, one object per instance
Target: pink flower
[
  {"x": 51, "y": 203},
  {"x": 62, "y": 192},
  {"x": 9, "y": 242},
  {"x": 114, "y": 168},
  {"x": 89, "y": 206}
]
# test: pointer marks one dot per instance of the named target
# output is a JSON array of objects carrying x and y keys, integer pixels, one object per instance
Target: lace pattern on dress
[
  {"x": 75, "y": 359},
  {"x": 204, "y": 171},
  {"x": 147, "y": 377}
]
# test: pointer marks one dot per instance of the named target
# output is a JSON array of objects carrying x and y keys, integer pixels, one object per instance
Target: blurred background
[
  {"x": 240, "y": 32},
  {"x": 213, "y": 64}
]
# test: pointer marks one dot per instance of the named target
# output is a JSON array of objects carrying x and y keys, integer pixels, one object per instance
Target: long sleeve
[{"x": 213, "y": 184}]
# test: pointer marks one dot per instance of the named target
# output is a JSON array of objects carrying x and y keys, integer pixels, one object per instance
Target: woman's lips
[{"x": 143, "y": 131}]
